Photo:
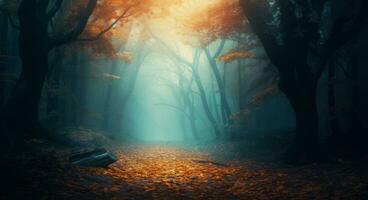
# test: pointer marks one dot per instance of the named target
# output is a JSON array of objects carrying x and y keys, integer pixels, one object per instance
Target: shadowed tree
[
  {"x": 36, "y": 40},
  {"x": 35, "y": 43},
  {"x": 300, "y": 46}
]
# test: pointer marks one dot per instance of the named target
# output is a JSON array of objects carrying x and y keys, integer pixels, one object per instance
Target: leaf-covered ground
[
  {"x": 162, "y": 172},
  {"x": 167, "y": 172}
]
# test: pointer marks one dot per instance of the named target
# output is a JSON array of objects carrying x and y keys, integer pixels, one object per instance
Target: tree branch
[
  {"x": 219, "y": 49},
  {"x": 260, "y": 17},
  {"x": 340, "y": 36},
  {"x": 171, "y": 51},
  {"x": 71, "y": 36},
  {"x": 99, "y": 35},
  {"x": 51, "y": 13}
]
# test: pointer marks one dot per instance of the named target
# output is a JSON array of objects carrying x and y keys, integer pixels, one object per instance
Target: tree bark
[
  {"x": 53, "y": 81},
  {"x": 305, "y": 147},
  {"x": 3, "y": 54},
  {"x": 297, "y": 81},
  {"x": 33, "y": 50},
  {"x": 334, "y": 123},
  {"x": 356, "y": 123},
  {"x": 34, "y": 45}
]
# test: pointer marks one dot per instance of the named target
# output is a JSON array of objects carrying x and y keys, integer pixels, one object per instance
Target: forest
[{"x": 184, "y": 99}]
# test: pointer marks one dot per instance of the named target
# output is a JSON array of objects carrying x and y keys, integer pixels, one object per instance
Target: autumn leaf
[{"x": 234, "y": 55}]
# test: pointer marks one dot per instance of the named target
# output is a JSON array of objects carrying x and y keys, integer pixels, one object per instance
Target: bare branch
[
  {"x": 219, "y": 49},
  {"x": 99, "y": 35},
  {"x": 171, "y": 51}
]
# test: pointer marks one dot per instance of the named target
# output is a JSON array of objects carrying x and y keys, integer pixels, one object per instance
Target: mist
[{"x": 183, "y": 99}]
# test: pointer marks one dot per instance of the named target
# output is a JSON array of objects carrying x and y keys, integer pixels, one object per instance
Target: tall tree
[
  {"x": 217, "y": 22},
  {"x": 290, "y": 32},
  {"x": 35, "y": 43}
]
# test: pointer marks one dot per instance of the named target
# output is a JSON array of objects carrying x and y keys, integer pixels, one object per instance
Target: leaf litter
[{"x": 165, "y": 172}]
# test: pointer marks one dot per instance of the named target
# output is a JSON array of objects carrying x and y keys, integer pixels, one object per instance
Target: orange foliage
[
  {"x": 223, "y": 19},
  {"x": 269, "y": 91},
  {"x": 235, "y": 54},
  {"x": 110, "y": 25}
]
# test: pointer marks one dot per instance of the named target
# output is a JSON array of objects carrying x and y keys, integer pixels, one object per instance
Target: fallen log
[{"x": 94, "y": 158}]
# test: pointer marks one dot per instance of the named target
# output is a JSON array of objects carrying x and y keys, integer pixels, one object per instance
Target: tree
[
  {"x": 290, "y": 32},
  {"x": 35, "y": 43},
  {"x": 3, "y": 53},
  {"x": 219, "y": 21},
  {"x": 43, "y": 26},
  {"x": 192, "y": 66}
]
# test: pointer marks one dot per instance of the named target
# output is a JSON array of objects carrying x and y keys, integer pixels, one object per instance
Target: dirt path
[{"x": 161, "y": 172}]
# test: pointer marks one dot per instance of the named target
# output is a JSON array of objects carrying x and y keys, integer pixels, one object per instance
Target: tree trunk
[
  {"x": 203, "y": 96},
  {"x": 332, "y": 101},
  {"x": 224, "y": 103},
  {"x": 23, "y": 108},
  {"x": 206, "y": 107},
  {"x": 22, "y": 113},
  {"x": 34, "y": 46},
  {"x": 131, "y": 86},
  {"x": 107, "y": 106},
  {"x": 213, "y": 101},
  {"x": 356, "y": 139},
  {"x": 74, "y": 98},
  {"x": 3, "y": 54},
  {"x": 356, "y": 124},
  {"x": 240, "y": 88},
  {"x": 301, "y": 92},
  {"x": 53, "y": 81},
  {"x": 193, "y": 121}
]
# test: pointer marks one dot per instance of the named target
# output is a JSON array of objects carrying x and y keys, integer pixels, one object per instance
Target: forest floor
[{"x": 161, "y": 171}]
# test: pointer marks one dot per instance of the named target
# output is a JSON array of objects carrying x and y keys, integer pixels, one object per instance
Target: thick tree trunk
[
  {"x": 22, "y": 113},
  {"x": 356, "y": 123},
  {"x": 53, "y": 81},
  {"x": 301, "y": 92},
  {"x": 34, "y": 46},
  {"x": 334, "y": 123},
  {"x": 355, "y": 140},
  {"x": 3, "y": 54}
]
